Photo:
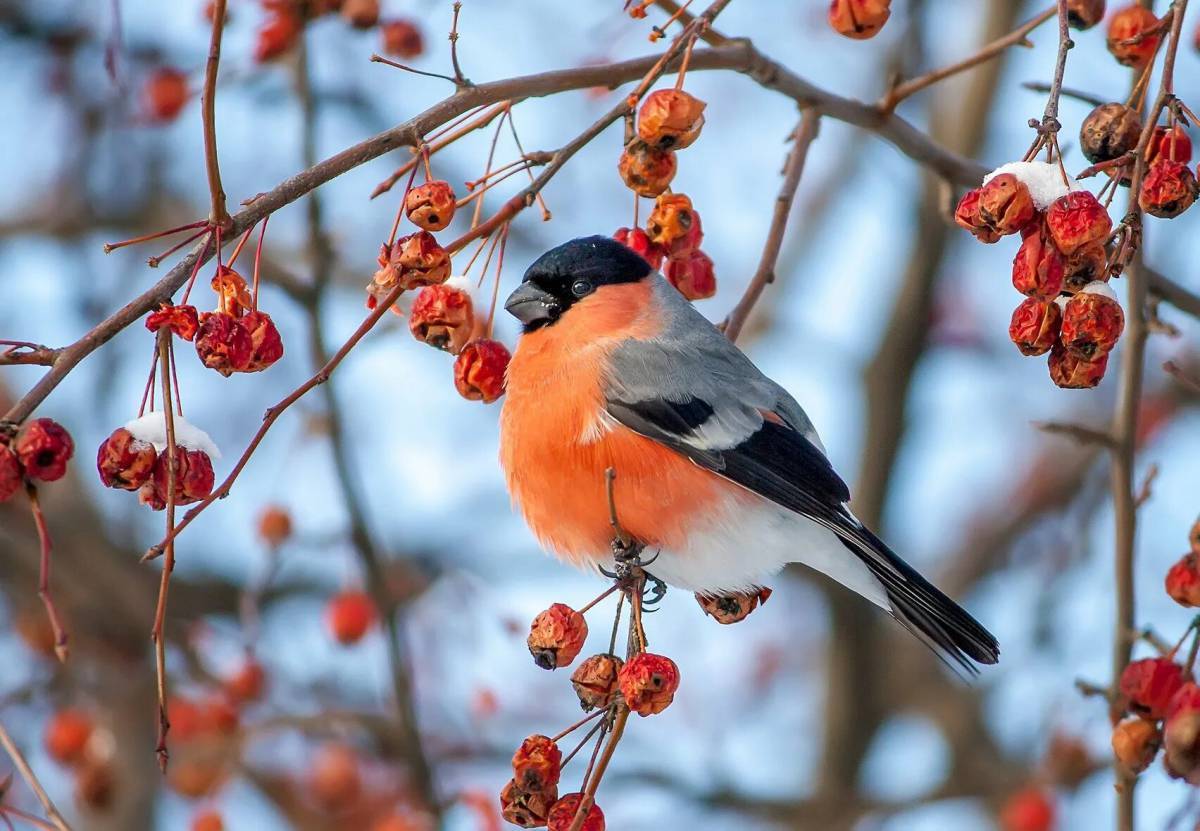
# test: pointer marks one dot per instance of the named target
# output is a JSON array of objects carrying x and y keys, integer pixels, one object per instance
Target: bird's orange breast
[{"x": 556, "y": 441}]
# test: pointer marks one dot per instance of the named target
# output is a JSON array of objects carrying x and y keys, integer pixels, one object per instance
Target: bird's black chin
[{"x": 533, "y": 306}]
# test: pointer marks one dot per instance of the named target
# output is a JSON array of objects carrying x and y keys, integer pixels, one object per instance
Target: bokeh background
[{"x": 887, "y": 323}]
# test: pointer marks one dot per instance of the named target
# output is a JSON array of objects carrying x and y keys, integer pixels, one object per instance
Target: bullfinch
[{"x": 719, "y": 472}]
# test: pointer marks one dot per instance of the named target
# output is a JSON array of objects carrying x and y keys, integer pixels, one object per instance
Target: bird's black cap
[{"x": 562, "y": 276}]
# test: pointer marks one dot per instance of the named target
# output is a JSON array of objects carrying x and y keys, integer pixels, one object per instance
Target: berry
[
  {"x": 692, "y": 275},
  {"x": 334, "y": 779},
  {"x": 1109, "y": 131},
  {"x": 966, "y": 214},
  {"x": 67, "y": 734},
  {"x": 278, "y": 34},
  {"x": 266, "y": 346},
  {"x": 1039, "y": 269},
  {"x": 1135, "y": 743},
  {"x": 194, "y": 479},
  {"x": 639, "y": 241},
  {"x": 1092, "y": 322},
  {"x": 443, "y": 317},
  {"x": 402, "y": 39},
  {"x": 1168, "y": 190},
  {"x": 431, "y": 205},
  {"x": 182, "y": 320},
  {"x": 1074, "y": 373},
  {"x": 670, "y": 119},
  {"x": 274, "y": 525},
  {"x": 731, "y": 608},
  {"x": 595, "y": 680},
  {"x": 1029, "y": 809},
  {"x": 858, "y": 19},
  {"x": 1127, "y": 40},
  {"x": 248, "y": 683},
  {"x": 1173, "y": 144},
  {"x": 223, "y": 344},
  {"x": 1181, "y": 734},
  {"x": 562, "y": 815},
  {"x": 124, "y": 461},
  {"x": 1005, "y": 204},
  {"x": 1149, "y": 684},
  {"x": 1077, "y": 219},
  {"x": 479, "y": 370},
  {"x": 44, "y": 447},
  {"x": 537, "y": 764},
  {"x": 413, "y": 261},
  {"x": 528, "y": 809},
  {"x": 349, "y": 615},
  {"x": 556, "y": 636},
  {"x": 645, "y": 169},
  {"x": 197, "y": 776},
  {"x": 1087, "y": 265},
  {"x": 11, "y": 474},
  {"x": 648, "y": 683},
  {"x": 361, "y": 14},
  {"x": 1034, "y": 326},
  {"x": 675, "y": 225},
  {"x": 208, "y": 820},
  {"x": 165, "y": 94},
  {"x": 1084, "y": 14},
  {"x": 95, "y": 784}
]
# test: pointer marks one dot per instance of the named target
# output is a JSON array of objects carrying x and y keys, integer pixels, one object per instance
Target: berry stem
[
  {"x": 22, "y": 766},
  {"x": 584, "y": 610},
  {"x": 258, "y": 249},
  {"x": 160, "y": 612},
  {"x": 584, "y": 740},
  {"x": 109, "y": 247},
  {"x": 569, "y": 730},
  {"x": 44, "y": 546}
]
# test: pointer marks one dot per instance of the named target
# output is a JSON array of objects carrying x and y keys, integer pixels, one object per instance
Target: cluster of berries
[
  {"x": 1061, "y": 266},
  {"x": 673, "y": 234},
  {"x": 39, "y": 453},
  {"x": 442, "y": 315}
]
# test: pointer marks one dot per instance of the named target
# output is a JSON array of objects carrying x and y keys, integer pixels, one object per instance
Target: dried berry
[
  {"x": 1181, "y": 734},
  {"x": 479, "y": 370},
  {"x": 67, "y": 734},
  {"x": 1092, "y": 322},
  {"x": 1034, "y": 326},
  {"x": 645, "y": 169},
  {"x": 730, "y": 608},
  {"x": 1005, "y": 204},
  {"x": 182, "y": 320},
  {"x": 556, "y": 636},
  {"x": 431, "y": 205},
  {"x": 1183, "y": 581},
  {"x": 1077, "y": 219},
  {"x": 419, "y": 260},
  {"x": 95, "y": 784},
  {"x": 1084, "y": 14},
  {"x": 1087, "y": 265},
  {"x": 274, "y": 525},
  {"x": 1149, "y": 684},
  {"x": 1039, "y": 268},
  {"x": 528, "y": 809},
  {"x": 402, "y": 39},
  {"x": 361, "y": 14},
  {"x": 858, "y": 19},
  {"x": 966, "y": 214},
  {"x": 675, "y": 225},
  {"x": 44, "y": 447},
  {"x": 334, "y": 779},
  {"x": 562, "y": 815},
  {"x": 1128, "y": 40},
  {"x": 11, "y": 474},
  {"x": 537, "y": 764},
  {"x": 125, "y": 461},
  {"x": 349, "y": 615},
  {"x": 207, "y": 820},
  {"x": 1072, "y": 372},
  {"x": 165, "y": 93},
  {"x": 1169, "y": 143},
  {"x": 247, "y": 684},
  {"x": 595, "y": 680},
  {"x": 194, "y": 479},
  {"x": 670, "y": 119},
  {"x": 1109, "y": 131},
  {"x": 233, "y": 293},
  {"x": 639, "y": 241},
  {"x": 1168, "y": 190},
  {"x": 278, "y": 34},
  {"x": 1029, "y": 809},
  {"x": 223, "y": 343},
  {"x": 443, "y": 317},
  {"x": 692, "y": 275},
  {"x": 1135, "y": 743},
  {"x": 648, "y": 683}
]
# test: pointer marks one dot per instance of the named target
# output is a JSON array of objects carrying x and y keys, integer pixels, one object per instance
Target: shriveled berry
[
  {"x": 670, "y": 119},
  {"x": 645, "y": 169},
  {"x": 648, "y": 683},
  {"x": 67, "y": 734},
  {"x": 1135, "y": 743},
  {"x": 431, "y": 205},
  {"x": 443, "y": 317},
  {"x": 1039, "y": 268},
  {"x": 349, "y": 615},
  {"x": 420, "y": 260},
  {"x": 595, "y": 680},
  {"x": 1149, "y": 684},
  {"x": 675, "y": 225},
  {"x": 537, "y": 764},
  {"x": 562, "y": 814},
  {"x": 1005, "y": 204},
  {"x": 402, "y": 39},
  {"x": 223, "y": 343},
  {"x": 165, "y": 94},
  {"x": 194, "y": 479},
  {"x": 44, "y": 447},
  {"x": 1092, "y": 322},
  {"x": 124, "y": 461},
  {"x": 1077, "y": 219},
  {"x": 1109, "y": 131},
  {"x": 1084, "y": 14},
  {"x": 334, "y": 780},
  {"x": 1087, "y": 265},
  {"x": 11, "y": 474},
  {"x": 1171, "y": 143},
  {"x": 233, "y": 292},
  {"x": 1181, "y": 734},
  {"x": 859, "y": 19},
  {"x": 479, "y": 370},
  {"x": 967, "y": 215},
  {"x": 182, "y": 320},
  {"x": 266, "y": 345},
  {"x": 640, "y": 241},
  {"x": 1168, "y": 190},
  {"x": 692, "y": 275},
  {"x": 525, "y": 808},
  {"x": 1074, "y": 373},
  {"x": 731, "y": 608},
  {"x": 1128, "y": 40},
  {"x": 556, "y": 636}
]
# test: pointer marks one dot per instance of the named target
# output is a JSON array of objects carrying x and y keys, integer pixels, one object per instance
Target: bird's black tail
[{"x": 940, "y": 623}]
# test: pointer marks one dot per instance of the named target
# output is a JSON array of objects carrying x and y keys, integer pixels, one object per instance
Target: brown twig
[
  {"x": 44, "y": 545},
  {"x": 1079, "y": 432},
  {"x": 25, "y": 352},
  {"x": 459, "y": 79},
  {"x": 218, "y": 216},
  {"x": 22, "y": 766},
  {"x": 1078, "y": 95},
  {"x": 802, "y": 138},
  {"x": 160, "y": 611},
  {"x": 985, "y": 53}
]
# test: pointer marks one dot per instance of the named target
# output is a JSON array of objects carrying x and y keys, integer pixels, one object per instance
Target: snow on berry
[
  {"x": 152, "y": 427},
  {"x": 1092, "y": 321},
  {"x": 1043, "y": 180},
  {"x": 125, "y": 461}
]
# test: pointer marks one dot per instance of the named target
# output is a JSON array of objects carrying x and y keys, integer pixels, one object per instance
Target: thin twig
[
  {"x": 218, "y": 215},
  {"x": 22, "y": 766},
  {"x": 1079, "y": 432},
  {"x": 1078, "y": 95},
  {"x": 39, "y": 520},
  {"x": 164, "y": 584}
]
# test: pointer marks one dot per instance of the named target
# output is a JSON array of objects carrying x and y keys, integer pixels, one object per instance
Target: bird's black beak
[{"x": 533, "y": 306}]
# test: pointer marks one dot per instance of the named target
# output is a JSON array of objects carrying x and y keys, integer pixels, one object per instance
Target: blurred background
[{"x": 887, "y": 323}]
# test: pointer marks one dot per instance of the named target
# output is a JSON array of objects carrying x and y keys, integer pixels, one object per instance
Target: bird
[{"x": 718, "y": 471}]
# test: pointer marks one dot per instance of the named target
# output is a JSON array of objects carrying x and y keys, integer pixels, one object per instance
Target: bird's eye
[{"x": 581, "y": 287}]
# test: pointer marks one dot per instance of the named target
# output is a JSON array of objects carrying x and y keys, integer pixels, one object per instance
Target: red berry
[
  {"x": 165, "y": 93},
  {"x": 44, "y": 447},
  {"x": 11, "y": 474},
  {"x": 334, "y": 779},
  {"x": 692, "y": 275},
  {"x": 248, "y": 683},
  {"x": 1169, "y": 144},
  {"x": 194, "y": 479},
  {"x": 639, "y": 241},
  {"x": 208, "y": 820},
  {"x": 1074, "y": 373},
  {"x": 675, "y": 225},
  {"x": 443, "y": 317},
  {"x": 1168, "y": 190},
  {"x": 361, "y": 14},
  {"x": 1077, "y": 219},
  {"x": 1092, "y": 322},
  {"x": 224, "y": 344},
  {"x": 1084, "y": 14},
  {"x": 1149, "y": 684},
  {"x": 1087, "y": 265},
  {"x": 648, "y": 683},
  {"x": 595, "y": 680},
  {"x": 1181, "y": 734},
  {"x": 556, "y": 636},
  {"x": 349, "y": 615},
  {"x": 1127, "y": 39},
  {"x": 562, "y": 815},
  {"x": 479, "y": 370},
  {"x": 1034, "y": 325},
  {"x": 266, "y": 346},
  {"x": 1030, "y": 809},
  {"x": 670, "y": 119},
  {"x": 537, "y": 764},
  {"x": 1183, "y": 581},
  {"x": 967, "y": 215},
  {"x": 1039, "y": 269},
  {"x": 274, "y": 525},
  {"x": 67, "y": 735},
  {"x": 182, "y": 320},
  {"x": 859, "y": 19},
  {"x": 1005, "y": 204},
  {"x": 402, "y": 38},
  {"x": 124, "y": 461},
  {"x": 645, "y": 169},
  {"x": 278, "y": 34},
  {"x": 430, "y": 206}
]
